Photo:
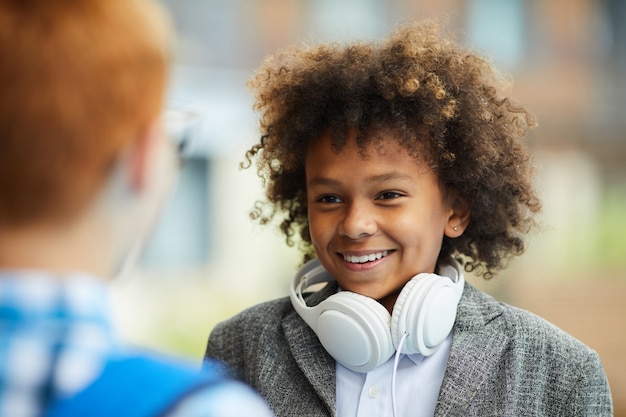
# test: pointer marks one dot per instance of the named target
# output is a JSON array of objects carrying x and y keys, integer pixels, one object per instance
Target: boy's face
[{"x": 377, "y": 216}]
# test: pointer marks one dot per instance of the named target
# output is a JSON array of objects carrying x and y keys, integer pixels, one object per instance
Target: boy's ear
[
  {"x": 459, "y": 216},
  {"x": 140, "y": 151}
]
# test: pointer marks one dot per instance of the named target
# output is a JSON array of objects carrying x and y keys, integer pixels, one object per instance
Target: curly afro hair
[{"x": 443, "y": 104}]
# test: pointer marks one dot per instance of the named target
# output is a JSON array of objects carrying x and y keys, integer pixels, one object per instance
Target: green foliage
[{"x": 609, "y": 247}]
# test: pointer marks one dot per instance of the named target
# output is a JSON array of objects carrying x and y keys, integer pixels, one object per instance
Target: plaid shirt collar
[{"x": 55, "y": 335}]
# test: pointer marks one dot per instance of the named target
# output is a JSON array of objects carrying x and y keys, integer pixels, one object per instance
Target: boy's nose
[{"x": 357, "y": 223}]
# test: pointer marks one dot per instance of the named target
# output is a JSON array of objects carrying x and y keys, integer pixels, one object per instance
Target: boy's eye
[
  {"x": 329, "y": 199},
  {"x": 388, "y": 195}
]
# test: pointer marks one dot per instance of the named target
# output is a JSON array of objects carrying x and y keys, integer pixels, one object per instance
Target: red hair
[{"x": 78, "y": 79}]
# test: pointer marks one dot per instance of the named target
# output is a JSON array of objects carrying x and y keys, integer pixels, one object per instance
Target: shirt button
[{"x": 372, "y": 392}]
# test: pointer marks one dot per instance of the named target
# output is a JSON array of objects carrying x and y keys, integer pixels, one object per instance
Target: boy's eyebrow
[
  {"x": 396, "y": 175},
  {"x": 322, "y": 181},
  {"x": 389, "y": 176}
]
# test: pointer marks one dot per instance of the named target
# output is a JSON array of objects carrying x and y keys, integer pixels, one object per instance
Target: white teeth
[{"x": 365, "y": 258}]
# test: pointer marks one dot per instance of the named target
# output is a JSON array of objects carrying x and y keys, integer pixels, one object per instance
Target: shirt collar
[
  {"x": 29, "y": 296},
  {"x": 416, "y": 358}
]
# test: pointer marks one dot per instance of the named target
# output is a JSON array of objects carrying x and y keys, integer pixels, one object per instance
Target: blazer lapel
[
  {"x": 316, "y": 364},
  {"x": 475, "y": 352}
]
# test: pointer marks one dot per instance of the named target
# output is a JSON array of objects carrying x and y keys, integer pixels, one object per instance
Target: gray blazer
[{"x": 503, "y": 362}]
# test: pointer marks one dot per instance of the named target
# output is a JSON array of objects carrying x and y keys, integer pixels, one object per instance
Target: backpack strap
[{"x": 138, "y": 386}]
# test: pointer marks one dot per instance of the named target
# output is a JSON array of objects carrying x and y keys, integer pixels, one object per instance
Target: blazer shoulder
[
  {"x": 266, "y": 312},
  {"x": 237, "y": 340},
  {"x": 532, "y": 330},
  {"x": 478, "y": 309},
  {"x": 250, "y": 323},
  {"x": 520, "y": 347}
]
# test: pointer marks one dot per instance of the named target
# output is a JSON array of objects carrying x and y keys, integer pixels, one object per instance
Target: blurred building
[{"x": 568, "y": 60}]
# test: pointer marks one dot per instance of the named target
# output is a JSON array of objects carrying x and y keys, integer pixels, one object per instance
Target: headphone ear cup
[
  {"x": 426, "y": 311},
  {"x": 354, "y": 330}
]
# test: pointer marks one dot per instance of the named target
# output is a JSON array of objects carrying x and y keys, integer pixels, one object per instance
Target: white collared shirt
[{"x": 418, "y": 381}]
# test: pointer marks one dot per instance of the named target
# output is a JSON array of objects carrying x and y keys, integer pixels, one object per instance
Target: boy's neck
[{"x": 75, "y": 246}]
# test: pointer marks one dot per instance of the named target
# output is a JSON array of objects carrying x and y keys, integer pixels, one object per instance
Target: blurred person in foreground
[
  {"x": 85, "y": 167},
  {"x": 400, "y": 164}
]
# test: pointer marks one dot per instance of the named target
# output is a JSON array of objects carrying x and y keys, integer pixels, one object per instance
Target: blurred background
[{"x": 208, "y": 260}]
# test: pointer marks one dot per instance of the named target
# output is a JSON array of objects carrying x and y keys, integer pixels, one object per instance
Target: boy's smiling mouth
[{"x": 361, "y": 259}]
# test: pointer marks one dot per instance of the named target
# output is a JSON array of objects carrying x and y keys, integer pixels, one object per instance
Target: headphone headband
[{"x": 311, "y": 273}]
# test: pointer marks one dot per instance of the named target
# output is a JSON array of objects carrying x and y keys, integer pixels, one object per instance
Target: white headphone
[{"x": 360, "y": 334}]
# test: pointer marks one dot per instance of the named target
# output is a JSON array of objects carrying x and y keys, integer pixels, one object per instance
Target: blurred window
[
  {"x": 333, "y": 20},
  {"x": 181, "y": 237},
  {"x": 616, "y": 31},
  {"x": 497, "y": 27}
]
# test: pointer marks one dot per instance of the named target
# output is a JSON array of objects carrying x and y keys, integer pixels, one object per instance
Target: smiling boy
[{"x": 395, "y": 162}]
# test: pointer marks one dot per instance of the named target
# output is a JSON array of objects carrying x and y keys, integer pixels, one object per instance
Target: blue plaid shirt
[{"x": 55, "y": 338}]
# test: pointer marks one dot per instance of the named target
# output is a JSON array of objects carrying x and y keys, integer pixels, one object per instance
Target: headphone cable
[{"x": 396, "y": 360}]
